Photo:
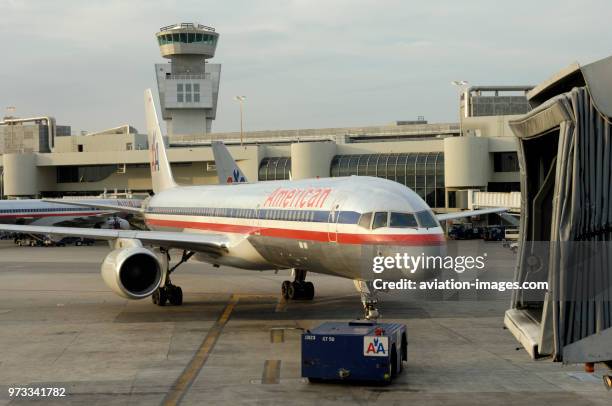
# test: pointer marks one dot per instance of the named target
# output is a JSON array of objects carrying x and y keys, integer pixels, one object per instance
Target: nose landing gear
[
  {"x": 299, "y": 289},
  {"x": 369, "y": 299}
]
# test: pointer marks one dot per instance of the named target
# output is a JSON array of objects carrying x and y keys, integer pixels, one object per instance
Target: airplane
[
  {"x": 62, "y": 212},
  {"x": 228, "y": 171},
  {"x": 334, "y": 226}
]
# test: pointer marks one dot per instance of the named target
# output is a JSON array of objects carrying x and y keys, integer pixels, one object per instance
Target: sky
[{"x": 300, "y": 63}]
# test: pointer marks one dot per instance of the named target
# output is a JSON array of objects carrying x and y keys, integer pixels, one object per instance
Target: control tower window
[
  {"x": 187, "y": 92},
  {"x": 196, "y": 92},
  {"x": 175, "y": 38},
  {"x": 198, "y": 38},
  {"x": 184, "y": 37},
  {"x": 179, "y": 92},
  {"x": 190, "y": 37}
]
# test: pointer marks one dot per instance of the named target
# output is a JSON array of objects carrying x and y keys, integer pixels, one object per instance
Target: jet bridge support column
[
  {"x": 20, "y": 175},
  {"x": 311, "y": 159}
]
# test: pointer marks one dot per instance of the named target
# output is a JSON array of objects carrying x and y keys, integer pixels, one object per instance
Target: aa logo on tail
[
  {"x": 155, "y": 157},
  {"x": 375, "y": 346},
  {"x": 236, "y": 177}
]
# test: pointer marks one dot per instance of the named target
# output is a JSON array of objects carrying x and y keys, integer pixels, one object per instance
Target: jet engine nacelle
[{"x": 132, "y": 272}]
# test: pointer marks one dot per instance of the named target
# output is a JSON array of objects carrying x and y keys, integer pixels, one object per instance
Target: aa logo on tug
[{"x": 375, "y": 346}]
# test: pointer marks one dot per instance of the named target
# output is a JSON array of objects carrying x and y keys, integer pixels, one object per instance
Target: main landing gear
[
  {"x": 369, "y": 299},
  {"x": 299, "y": 289},
  {"x": 171, "y": 293}
]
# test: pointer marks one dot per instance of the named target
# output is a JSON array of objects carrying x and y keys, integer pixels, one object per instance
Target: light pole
[
  {"x": 461, "y": 85},
  {"x": 240, "y": 99}
]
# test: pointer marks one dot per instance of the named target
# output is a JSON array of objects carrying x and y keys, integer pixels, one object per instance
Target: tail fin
[
  {"x": 161, "y": 175},
  {"x": 227, "y": 169}
]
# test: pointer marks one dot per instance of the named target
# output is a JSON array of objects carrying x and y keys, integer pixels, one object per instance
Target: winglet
[
  {"x": 227, "y": 169},
  {"x": 161, "y": 174}
]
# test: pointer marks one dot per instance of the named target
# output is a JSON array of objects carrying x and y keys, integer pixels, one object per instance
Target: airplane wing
[
  {"x": 210, "y": 243},
  {"x": 469, "y": 213},
  {"x": 99, "y": 205},
  {"x": 510, "y": 219},
  {"x": 227, "y": 169}
]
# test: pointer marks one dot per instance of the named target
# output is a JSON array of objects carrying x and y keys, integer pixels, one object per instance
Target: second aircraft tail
[{"x": 227, "y": 169}]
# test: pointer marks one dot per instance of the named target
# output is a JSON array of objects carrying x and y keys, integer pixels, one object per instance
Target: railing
[
  {"x": 187, "y": 25},
  {"x": 189, "y": 77},
  {"x": 511, "y": 200}
]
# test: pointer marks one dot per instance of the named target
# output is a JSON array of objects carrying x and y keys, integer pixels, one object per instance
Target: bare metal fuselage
[{"x": 307, "y": 224}]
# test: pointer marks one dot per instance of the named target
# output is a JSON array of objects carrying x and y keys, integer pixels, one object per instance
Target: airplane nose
[{"x": 418, "y": 262}]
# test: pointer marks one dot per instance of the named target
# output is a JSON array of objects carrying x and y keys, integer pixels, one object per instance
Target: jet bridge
[{"x": 565, "y": 154}]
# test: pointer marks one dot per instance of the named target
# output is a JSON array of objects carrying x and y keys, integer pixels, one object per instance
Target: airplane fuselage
[
  {"x": 320, "y": 225},
  {"x": 41, "y": 213}
]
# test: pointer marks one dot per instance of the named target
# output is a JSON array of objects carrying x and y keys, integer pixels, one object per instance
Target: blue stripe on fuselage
[{"x": 314, "y": 216}]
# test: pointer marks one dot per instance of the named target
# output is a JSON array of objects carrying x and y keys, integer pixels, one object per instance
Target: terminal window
[
  {"x": 423, "y": 171},
  {"x": 276, "y": 168},
  {"x": 505, "y": 162}
]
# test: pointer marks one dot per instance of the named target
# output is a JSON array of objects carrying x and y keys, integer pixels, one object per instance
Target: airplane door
[{"x": 332, "y": 221}]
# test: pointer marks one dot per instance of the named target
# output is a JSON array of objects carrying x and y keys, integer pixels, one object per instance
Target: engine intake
[{"x": 133, "y": 272}]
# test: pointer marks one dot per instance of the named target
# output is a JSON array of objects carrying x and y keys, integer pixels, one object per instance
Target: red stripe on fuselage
[{"x": 342, "y": 238}]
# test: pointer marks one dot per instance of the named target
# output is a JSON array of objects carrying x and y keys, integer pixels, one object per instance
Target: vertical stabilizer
[
  {"x": 161, "y": 174},
  {"x": 227, "y": 169}
]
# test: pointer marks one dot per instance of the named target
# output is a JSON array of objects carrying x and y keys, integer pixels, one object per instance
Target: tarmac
[{"x": 234, "y": 341}]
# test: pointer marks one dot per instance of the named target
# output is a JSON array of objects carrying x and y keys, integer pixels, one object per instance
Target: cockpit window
[
  {"x": 365, "y": 220},
  {"x": 402, "y": 220},
  {"x": 426, "y": 219},
  {"x": 380, "y": 219}
]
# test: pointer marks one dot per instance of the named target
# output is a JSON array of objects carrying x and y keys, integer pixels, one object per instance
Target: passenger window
[
  {"x": 402, "y": 220},
  {"x": 365, "y": 220},
  {"x": 380, "y": 220},
  {"x": 426, "y": 219}
]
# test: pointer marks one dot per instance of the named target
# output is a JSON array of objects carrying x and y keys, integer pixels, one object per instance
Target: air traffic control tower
[{"x": 188, "y": 85}]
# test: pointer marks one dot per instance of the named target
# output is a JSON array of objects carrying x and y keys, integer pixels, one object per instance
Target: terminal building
[{"x": 442, "y": 162}]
